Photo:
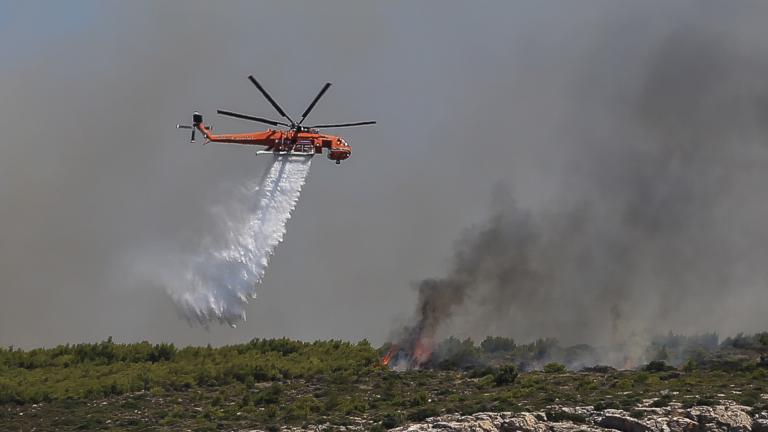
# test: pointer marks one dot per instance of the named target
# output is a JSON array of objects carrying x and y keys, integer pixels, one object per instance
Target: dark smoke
[
  {"x": 582, "y": 106},
  {"x": 495, "y": 254},
  {"x": 660, "y": 222}
]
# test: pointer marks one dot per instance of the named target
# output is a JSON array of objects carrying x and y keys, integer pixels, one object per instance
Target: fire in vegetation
[
  {"x": 487, "y": 260},
  {"x": 548, "y": 354},
  {"x": 393, "y": 351},
  {"x": 408, "y": 357},
  {"x": 415, "y": 345}
]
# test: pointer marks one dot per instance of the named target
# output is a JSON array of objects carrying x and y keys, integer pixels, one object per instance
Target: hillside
[{"x": 269, "y": 384}]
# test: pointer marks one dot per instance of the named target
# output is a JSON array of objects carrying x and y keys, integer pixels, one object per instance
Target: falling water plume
[{"x": 218, "y": 281}]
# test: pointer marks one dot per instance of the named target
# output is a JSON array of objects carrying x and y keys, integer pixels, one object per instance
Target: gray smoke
[
  {"x": 661, "y": 219},
  {"x": 583, "y": 106}
]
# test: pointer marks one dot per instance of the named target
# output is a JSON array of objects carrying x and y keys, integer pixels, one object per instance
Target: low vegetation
[{"x": 266, "y": 383}]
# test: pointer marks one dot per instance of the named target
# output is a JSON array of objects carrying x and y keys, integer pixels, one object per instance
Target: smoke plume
[
  {"x": 607, "y": 117},
  {"x": 659, "y": 222},
  {"x": 218, "y": 282}
]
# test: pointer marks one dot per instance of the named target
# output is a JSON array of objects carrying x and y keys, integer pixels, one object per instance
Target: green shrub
[
  {"x": 505, "y": 375},
  {"x": 420, "y": 399},
  {"x": 640, "y": 378},
  {"x": 269, "y": 396},
  {"x": 391, "y": 421},
  {"x": 705, "y": 401},
  {"x": 455, "y": 353},
  {"x": 657, "y": 366},
  {"x": 162, "y": 352},
  {"x": 559, "y": 416},
  {"x": 423, "y": 413},
  {"x": 628, "y": 403},
  {"x": 690, "y": 366},
  {"x": 763, "y": 362},
  {"x": 609, "y": 404},
  {"x": 480, "y": 372},
  {"x": 492, "y": 344},
  {"x": 554, "y": 368},
  {"x": 662, "y": 402},
  {"x": 763, "y": 338}
]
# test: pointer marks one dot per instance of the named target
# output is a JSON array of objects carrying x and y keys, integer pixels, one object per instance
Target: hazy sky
[{"x": 468, "y": 95}]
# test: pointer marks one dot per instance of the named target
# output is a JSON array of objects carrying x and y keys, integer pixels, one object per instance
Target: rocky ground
[{"x": 725, "y": 416}]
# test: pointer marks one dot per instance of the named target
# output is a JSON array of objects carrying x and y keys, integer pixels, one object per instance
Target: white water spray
[{"x": 218, "y": 282}]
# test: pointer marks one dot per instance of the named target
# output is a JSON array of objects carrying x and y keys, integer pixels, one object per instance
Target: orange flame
[
  {"x": 388, "y": 357},
  {"x": 417, "y": 355}
]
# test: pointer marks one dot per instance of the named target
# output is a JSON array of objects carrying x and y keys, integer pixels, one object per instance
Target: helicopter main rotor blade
[
  {"x": 252, "y": 118},
  {"x": 314, "y": 101},
  {"x": 269, "y": 98},
  {"x": 339, "y": 125}
]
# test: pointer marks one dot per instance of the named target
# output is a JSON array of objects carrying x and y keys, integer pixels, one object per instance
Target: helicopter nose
[{"x": 339, "y": 154}]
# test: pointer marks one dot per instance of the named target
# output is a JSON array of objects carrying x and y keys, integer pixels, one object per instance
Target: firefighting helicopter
[{"x": 297, "y": 139}]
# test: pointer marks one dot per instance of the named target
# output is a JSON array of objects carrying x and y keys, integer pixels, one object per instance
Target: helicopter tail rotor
[{"x": 197, "y": 120}]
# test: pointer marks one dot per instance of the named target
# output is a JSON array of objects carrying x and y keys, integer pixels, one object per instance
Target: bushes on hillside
[
  {"x": 554, "y": 368},
  {"x": 492, "y": 344},
  {"x": 505, "y": 375},
  {"x": 106, "y": 369},
  {"x": 101, "y": 353},
  {"x": 657, "y": 366},
  {"x": 455, "y": 354}
]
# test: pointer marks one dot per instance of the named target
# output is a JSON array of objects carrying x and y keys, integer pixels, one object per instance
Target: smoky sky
[{"x": 630, "y": 138}]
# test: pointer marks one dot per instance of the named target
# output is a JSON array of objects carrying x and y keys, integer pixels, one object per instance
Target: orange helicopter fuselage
[{"x": 278, "y": 141}]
